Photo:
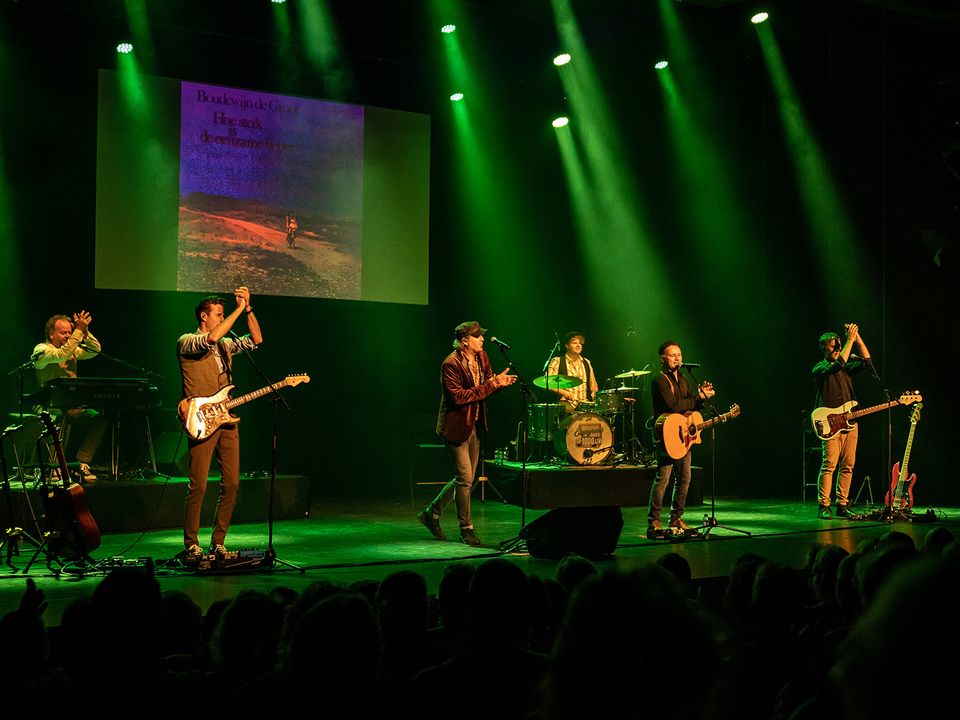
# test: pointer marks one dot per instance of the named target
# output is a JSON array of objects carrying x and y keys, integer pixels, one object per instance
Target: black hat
[{"x": 468, "y": 328}]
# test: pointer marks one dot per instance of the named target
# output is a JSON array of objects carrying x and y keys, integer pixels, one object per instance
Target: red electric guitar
[
  {"x": 71, "y": 530},
  {"x": 900, "y": 494}
]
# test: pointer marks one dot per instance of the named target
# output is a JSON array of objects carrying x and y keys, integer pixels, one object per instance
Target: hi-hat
[
  {"x": 557, "y": 382},
  {"x": 632, "y": 373}
]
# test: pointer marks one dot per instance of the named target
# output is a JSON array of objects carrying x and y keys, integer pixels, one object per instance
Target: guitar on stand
[
  {"x": 71, "y": 532},
  {"x": 898, "y": 502}
]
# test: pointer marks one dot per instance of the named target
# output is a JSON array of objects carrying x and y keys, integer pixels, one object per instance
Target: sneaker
[
  {"x": 469, "y": 537},
  {"x": 193, "y": 552},
  {"x": 654, "y": 529},
  {"x": 843, "y": 511},
  {"x": 85, "y": 474},
  {"x": 431, "y": 523},
  {"x": 679, "y": 524},
  {"x": 219, "y": 550},
  {"x": 823, "y": 512}
]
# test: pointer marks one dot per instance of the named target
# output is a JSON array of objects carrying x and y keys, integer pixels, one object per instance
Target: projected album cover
[{"x": 271, "y": 193}]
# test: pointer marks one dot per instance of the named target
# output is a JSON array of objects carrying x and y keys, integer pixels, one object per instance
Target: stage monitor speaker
[
  {"x": 170, "y": 450},
  {"x": 589, "y": 531}
]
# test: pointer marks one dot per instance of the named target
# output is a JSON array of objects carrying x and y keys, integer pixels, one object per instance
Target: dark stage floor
[{"x": 344, "y": 541}]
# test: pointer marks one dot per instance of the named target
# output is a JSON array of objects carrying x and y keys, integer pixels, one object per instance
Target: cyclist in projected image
[{"x": 292, "y": 227}]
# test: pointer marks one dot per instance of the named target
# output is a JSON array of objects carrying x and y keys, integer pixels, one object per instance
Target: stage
[{"x": 350, "y": 540}]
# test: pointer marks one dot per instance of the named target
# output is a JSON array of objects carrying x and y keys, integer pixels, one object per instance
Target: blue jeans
[
  {"x": 665, "y": 467},
  {"x": 465, "y": 456}
]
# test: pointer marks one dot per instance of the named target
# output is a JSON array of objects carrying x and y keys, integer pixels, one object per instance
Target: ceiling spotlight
[
  {"x": 457, "y": 96},
  {"x": 661, "y": 65},
  {"x": 124, "y": 48},
  {"x": 759, "y": 18},
  {"x": 561, "y": 122},
  {"x": 561, "y": 59},
  {"x": 447, "y": 29},
  {"x": 278, "y": 2}
]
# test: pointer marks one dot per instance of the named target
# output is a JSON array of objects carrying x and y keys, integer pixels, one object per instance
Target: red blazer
[{"x": 461, "y": 402}]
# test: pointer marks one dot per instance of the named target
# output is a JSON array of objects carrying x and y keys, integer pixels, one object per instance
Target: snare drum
[
  {"x": 586, "y": 437},
  {"x": 543, "y": 420},
  {"x": 607, "y": 402}
]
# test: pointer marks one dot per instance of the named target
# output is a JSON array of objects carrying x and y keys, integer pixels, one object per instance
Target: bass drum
[{"x": 586, "y": 438}]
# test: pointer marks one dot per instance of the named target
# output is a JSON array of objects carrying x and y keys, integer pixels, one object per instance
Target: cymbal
[
  {"x": 632, "y": 373},
  {"x": 624, "y": 389},
  {"x": 557, "y": 382}
]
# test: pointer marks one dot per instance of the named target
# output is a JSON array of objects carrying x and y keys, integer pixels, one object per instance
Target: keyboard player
[{"x": 69, "y": 341}]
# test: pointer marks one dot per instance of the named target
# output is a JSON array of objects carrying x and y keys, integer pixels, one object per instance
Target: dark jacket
[{"x": 462, "y": 404}]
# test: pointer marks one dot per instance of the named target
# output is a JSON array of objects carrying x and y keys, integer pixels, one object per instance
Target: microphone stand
[
  {"x": 710, "y": 521},
  {"x": 525, "y": 395},
  {"x": 270, "y": 556}
]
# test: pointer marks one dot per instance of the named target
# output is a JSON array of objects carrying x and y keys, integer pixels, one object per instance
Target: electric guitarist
[
  {"x": 833, "y": 379},
  {"x": 206, "y": 368},
  {"x": 671, "y": 393}
]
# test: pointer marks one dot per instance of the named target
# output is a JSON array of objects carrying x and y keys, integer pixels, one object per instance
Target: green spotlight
[
  {"x": 447, "y": 29},
  {"x": 760, "y": 17},
  {"x": 561, "y": 122},
  {"x": 561, "y": 59},
  {"x": 124, "y": 48},
  {"x": 457, "y": 96},
  {"x": 278, "y": 2},
  {"x": 661, "y": 65}
]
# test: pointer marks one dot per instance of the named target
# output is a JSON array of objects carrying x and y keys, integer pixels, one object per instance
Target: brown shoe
[
  {"x": 679, "y": 524},
  {"x": 654, "y": 529},
  {"x": 431, "y": 523}
]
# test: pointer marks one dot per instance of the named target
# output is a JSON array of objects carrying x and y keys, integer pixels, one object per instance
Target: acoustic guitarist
[
  {"x": 833, "y": 379},
  {"x": 671, "y": 393},
  {"x": 205, "y": 367}
]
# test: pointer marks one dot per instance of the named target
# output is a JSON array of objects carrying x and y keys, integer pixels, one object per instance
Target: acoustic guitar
[
  {"x": 71, "y": 530},
  {"x": 201, "y": 416},
  {"x": 681, "y": 430},
  {"x": 900, "y": 494}
]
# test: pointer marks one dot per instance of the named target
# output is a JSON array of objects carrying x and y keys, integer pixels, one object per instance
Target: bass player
[
  {"x": 832, "y": 377},
  {"x": 671, "y": 393},
  {"x": 205, "y": 367}
]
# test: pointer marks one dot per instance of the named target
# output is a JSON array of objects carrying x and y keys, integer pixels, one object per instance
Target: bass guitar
[
  {"x": 201, "y": 416},
  {"x": 679, "y": 431},
  {"x": 828, "y": 422},
  {"x": 900, "y": 494},
  {"x": 71, "y": 530}
]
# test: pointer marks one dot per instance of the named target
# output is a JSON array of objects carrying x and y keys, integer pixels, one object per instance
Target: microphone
[
  {"x": 36, "y": 355},
  {"x": 691, "y": 365},
  {"x": 501, "y": 343},
  {"x": 587, "y": 453}
]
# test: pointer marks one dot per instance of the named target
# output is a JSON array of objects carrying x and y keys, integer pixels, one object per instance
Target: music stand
[{"x": 710, "y": 521}]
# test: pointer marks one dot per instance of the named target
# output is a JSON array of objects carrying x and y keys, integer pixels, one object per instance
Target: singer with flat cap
[
  {"x": 70, "y": 340},
  {"x": 466, "y": 380},
  {"x": 205, "y": 357}
]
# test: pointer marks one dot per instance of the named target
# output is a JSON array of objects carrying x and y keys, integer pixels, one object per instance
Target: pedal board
[
  {"x": 673, "y": 534},
  {"x": 233, "y": 561}
]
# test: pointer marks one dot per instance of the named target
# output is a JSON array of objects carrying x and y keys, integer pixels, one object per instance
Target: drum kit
[{"x": 584, "y": 432}]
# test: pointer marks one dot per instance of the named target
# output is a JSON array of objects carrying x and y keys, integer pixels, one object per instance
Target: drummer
[{"x": 573, "y": 364}]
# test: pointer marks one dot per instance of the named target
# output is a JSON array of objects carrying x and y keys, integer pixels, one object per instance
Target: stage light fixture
[
  {"x": 278, "y": 2},
  {"x": 457, "y": 96},
  {"x": 561, "y": 59},
  {"x": 760, "y": 17},
  {"x": 561, "y": 122},
  {"x": 124, "y": 48},
  {"x": 661, "y": 65},
  {"x": 447, "y": 29}
]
